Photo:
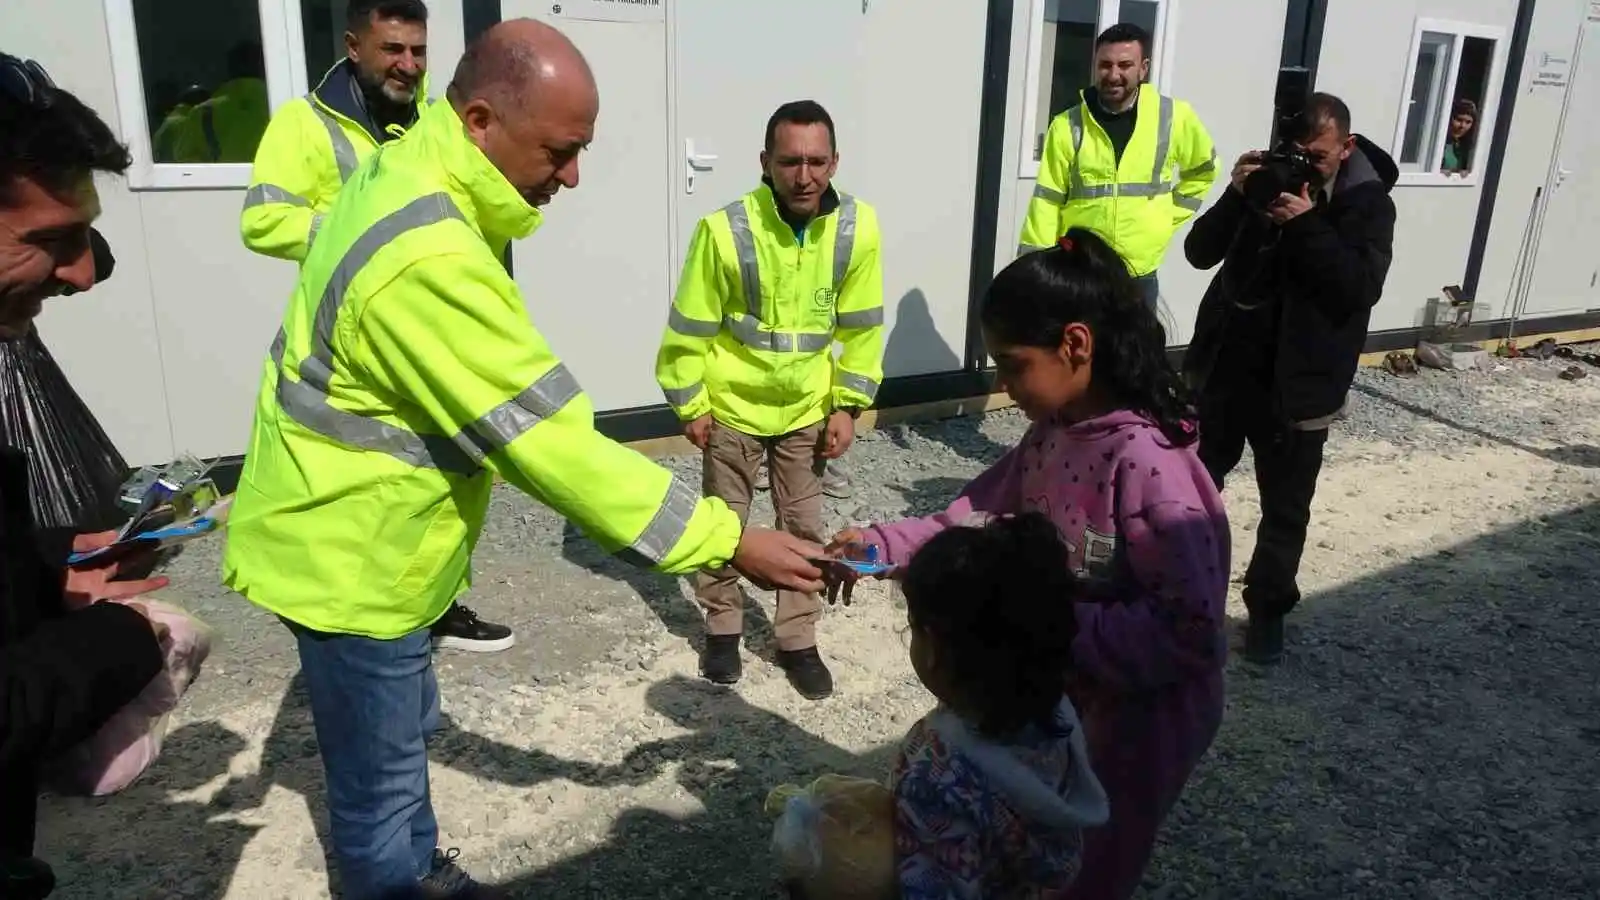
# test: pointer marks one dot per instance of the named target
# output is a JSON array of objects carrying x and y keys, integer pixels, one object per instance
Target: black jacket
[
  {"x": 1325, "y": 272},
  {"x": 61, "y": 674}
]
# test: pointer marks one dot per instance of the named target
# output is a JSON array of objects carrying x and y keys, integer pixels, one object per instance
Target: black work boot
[
  {"x": 807, "y": 672},
  {"x": 1263, "y": 640},
  {"x": 719, "y": 662}
]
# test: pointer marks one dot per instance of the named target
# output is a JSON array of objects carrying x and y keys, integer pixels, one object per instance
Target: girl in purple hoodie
[{"x": 1110, "y": 459}]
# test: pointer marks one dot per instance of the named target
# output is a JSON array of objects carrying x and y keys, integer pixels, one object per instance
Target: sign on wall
[
  {"x": 610, "y": 10},
  {"x": 1552, "y": 70}
]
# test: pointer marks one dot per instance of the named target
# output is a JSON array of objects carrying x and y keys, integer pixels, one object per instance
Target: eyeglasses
[{"x": 26, "y": 82}]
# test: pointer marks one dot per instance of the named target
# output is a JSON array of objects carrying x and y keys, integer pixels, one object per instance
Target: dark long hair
[
  {"x": 1081, "y": 279},
  {"x": 997, "y": 602}
]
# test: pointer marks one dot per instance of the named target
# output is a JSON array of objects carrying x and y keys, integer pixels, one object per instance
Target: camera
[{"x": 1285, "y": 169}]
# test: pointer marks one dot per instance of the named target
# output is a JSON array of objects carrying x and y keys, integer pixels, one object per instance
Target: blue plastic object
[
  {"x": 864, "y": 567},
  {"x": 869, "y": 566},
  {"x": 161, "y": 537}
]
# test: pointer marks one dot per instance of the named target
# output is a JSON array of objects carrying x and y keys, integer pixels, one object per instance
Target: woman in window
[{"x": 1462, "y": 136}]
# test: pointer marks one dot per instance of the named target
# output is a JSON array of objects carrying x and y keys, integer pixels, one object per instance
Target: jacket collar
[
  {"x": 1089, "y": 97},
  {"x": 339, "y": 93},
  {"x": 767, "y": 198},
  {"x": 486, "y": 198},
  {"x": 1367, "y": 165}
]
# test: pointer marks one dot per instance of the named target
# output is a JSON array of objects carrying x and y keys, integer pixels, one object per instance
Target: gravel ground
[{"x": 1432, "y": 733}]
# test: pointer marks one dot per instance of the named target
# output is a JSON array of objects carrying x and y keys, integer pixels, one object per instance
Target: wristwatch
[{"x": 853, "y": 411}]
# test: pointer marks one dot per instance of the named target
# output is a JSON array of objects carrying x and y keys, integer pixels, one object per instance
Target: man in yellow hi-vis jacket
[
  {"x": 314, "y": 144},
  {"x": 1125, "y": 162},
  {"x": 771, "y": 282},
  {"x": 406, "y": 375}
]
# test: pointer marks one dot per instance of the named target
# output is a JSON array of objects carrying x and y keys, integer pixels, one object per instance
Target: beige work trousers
[{"x": 731, "y": 459}]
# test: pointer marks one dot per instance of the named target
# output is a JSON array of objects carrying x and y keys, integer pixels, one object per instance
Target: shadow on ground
[
  {"x": 1431, "y": 734},
  {"x": 735, "y": 754},
  {"x": 664, "y": 595}
]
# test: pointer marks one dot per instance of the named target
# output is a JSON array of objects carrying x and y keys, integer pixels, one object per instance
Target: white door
[
  {"x": 1567, "y": 277},
  {"x": 595, "y": 275},
  {"x": 735, "y": 62}
]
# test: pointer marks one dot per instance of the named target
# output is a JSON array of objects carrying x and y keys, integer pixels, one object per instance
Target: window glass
[
  {"x": 1427, "y": 96},
  {"x": 322, "y": 26},
  {"x": 1066, "y": 60},
  {"x": 204, "y": 78},
  {"x": 478, "y": 16},
  {"x": 1145, "y": 14}
]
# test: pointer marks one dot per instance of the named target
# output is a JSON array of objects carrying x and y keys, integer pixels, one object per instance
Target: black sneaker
[
  {"x": 1263, "y": 640},
  {"x": 447, "y": 881},
  {"x": 807, "y": 672},
  {"x": 720, "y": 662},
  {"x": 461, "y": 629}
]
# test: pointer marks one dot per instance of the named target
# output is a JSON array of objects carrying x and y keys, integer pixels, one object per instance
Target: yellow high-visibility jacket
[
  {"x": 311, "y": 147},
  {"x": 751, "y": 331},
  {"x": 406, "y": 372},
  {"x": 1137, "y": 205}
]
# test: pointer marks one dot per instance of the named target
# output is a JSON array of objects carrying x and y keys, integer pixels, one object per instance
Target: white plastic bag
[
  {"x": 835, "y": 838},
  {"x": 130, "y": 740}
]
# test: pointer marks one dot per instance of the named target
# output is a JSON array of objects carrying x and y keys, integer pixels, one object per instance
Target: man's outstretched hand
[{"x": 777, "y": 559}]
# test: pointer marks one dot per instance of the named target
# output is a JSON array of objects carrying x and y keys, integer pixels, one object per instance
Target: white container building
[{"x": 939, "y": 106}]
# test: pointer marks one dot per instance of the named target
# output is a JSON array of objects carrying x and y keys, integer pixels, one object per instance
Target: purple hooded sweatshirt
[{"x": 1145, "y": 527}]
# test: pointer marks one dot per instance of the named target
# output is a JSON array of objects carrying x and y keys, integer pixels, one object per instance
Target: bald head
[
  {"x": 528, "y": 100},
  {"x": 521, "y": 63}
]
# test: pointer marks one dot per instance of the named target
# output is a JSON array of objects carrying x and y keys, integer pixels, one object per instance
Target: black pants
[{"x": 1287, "y": 464}]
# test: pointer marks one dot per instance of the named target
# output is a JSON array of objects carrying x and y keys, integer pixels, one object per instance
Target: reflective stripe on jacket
[
  {"x": 751, "y": 330},
  {"x": 1137, "y": 205},
  {"x": 406, "y": 372},
  {"x": 311, "y": 147}
]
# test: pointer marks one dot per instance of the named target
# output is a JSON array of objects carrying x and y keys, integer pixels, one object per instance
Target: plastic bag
[
  {"x": 835, "y": 838},
  {"x": 74, "y": 469},
  {"x": 130, "y": 740}
]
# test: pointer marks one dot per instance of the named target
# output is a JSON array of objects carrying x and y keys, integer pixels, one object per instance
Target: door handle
[{"x": 695, "y": 162}]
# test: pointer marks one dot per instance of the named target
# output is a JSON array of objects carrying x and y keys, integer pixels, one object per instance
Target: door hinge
[{"x": 1038, "y": 147}]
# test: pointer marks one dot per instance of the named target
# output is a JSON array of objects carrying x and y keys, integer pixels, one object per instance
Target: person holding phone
[{"x": 68, "y": 662}]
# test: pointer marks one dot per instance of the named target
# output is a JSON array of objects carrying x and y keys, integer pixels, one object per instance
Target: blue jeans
[
  {"x": 1151, "y": 291},
  {"x": 374, "y": 703}
]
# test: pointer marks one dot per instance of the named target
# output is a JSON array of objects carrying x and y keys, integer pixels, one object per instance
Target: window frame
[
  {"x": 1429, "y": 175},
  {"x": 283, "y": 56},
  {"x": 1161, "y": 55}
]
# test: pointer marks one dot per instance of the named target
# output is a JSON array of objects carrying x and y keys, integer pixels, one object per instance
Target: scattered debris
[
  {"x": 1400, "y": 365},
  {"x": 1452, "y": 357}
]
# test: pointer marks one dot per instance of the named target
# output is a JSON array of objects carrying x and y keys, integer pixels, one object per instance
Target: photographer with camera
[{"x": 1304, "y": 235}]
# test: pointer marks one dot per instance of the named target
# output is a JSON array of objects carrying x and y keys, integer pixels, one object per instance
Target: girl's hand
[{"x": 850, "y": 543}]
